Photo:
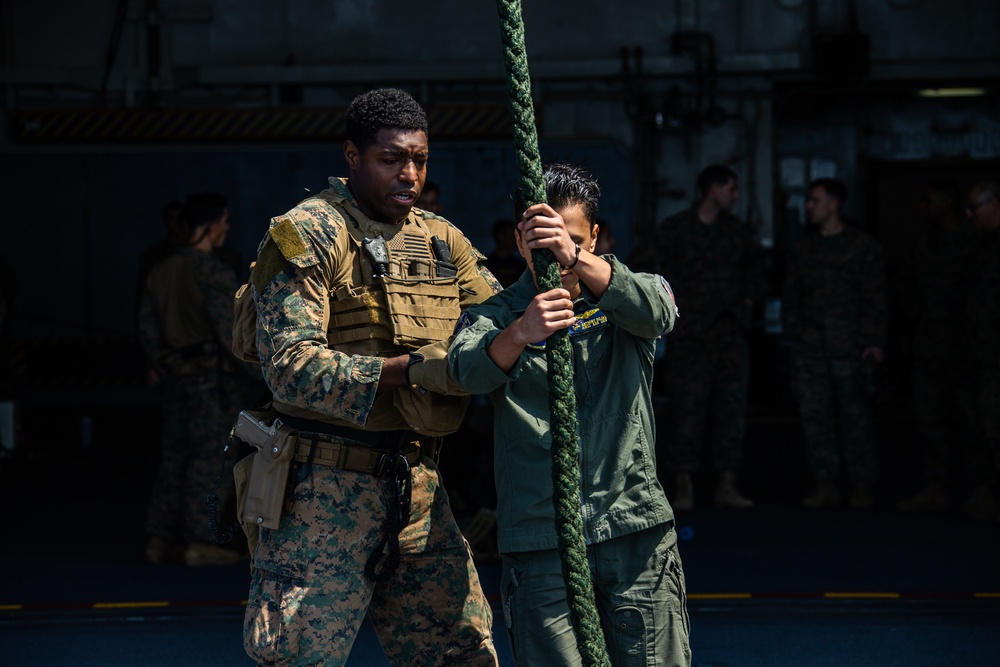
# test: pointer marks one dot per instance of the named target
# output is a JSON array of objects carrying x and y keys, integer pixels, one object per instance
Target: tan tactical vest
[{"x": 408, "y": 307}]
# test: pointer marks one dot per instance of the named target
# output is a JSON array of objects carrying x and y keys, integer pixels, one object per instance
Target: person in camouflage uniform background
[
  {"x": 714, "y": 266},
  {"x": 341, "y": 378},
  {"x": 185, "y": 331},
  {"x": 933, "y": 298},
  {"x": 834, "y": 317},
  {"x": 983, "y": 313}
]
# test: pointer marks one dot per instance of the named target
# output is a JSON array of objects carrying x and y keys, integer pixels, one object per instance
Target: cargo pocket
[
  {"x": 628, "y": 636},
  {"x": 266, "y": 636}
]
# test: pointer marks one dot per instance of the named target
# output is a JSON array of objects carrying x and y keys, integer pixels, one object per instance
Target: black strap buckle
[
  {"x": 386, "y": 553},
  {"x": 403, "y": 488},
  {"x": 390, "y": 464}
]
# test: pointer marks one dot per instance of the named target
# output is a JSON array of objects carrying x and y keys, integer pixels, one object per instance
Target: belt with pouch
[{"x": 346, "y": 448}]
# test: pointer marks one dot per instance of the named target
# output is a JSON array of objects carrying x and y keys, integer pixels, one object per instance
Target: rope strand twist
[{"x": 559, "y": 355}]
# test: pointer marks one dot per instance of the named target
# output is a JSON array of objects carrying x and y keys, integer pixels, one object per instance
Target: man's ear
[
  {"x": 352, "y": 154},
  {"x": 595, "y": 231},
  {"x": 517, "y": 243}
]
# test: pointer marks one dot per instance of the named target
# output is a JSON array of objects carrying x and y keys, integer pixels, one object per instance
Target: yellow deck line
[
  {"x": 129, "y": 605},
  {"x": 986, "y": 595},
  {"x": 11, "y": 607}
]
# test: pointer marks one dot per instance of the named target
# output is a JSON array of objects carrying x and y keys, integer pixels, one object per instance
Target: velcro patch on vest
[
  {"x": 287, "y": 238},
  {"x": 586, "y": 322}
]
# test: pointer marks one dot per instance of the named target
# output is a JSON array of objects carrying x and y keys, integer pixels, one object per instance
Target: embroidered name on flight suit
[{"x": 586, "y": 322}]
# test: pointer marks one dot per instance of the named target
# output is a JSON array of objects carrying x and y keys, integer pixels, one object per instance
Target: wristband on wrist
[{"x": 575, "y": 259}]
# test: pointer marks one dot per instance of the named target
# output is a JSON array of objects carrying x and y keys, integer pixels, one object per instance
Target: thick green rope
[{"x": 559, "y": 355}]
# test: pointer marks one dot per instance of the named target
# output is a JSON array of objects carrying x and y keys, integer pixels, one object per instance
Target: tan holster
[{"x": 261, "y": 477}]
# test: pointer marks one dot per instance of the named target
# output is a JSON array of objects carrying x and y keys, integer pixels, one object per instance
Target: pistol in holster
[{"x": 266, "y": 482}]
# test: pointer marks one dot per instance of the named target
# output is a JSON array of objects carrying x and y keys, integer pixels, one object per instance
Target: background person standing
[
  {"x": 713, "y": 264},
  {"x": 185, "y": 330},
  {"x": 983, "y": 312},
  {"x": 834, "y": 317},
  {"x": 943, "y": 397}
]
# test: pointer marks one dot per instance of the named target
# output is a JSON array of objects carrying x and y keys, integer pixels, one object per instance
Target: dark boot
[{"x": 825, "y": 495}]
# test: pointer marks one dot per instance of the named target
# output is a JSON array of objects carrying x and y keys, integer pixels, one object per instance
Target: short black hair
[
  {"x": 567, "y": 183},
  {"x": 380, "y": 109},
  {"x": 430, "y": 186},
  {"x": 833, "y": 187},
  {"x": 714, "y": 174},
  {"x": 203, "y": 208}
]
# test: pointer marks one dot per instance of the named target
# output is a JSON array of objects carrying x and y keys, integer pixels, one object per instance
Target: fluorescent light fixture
[{"x": 952, "y": 92}]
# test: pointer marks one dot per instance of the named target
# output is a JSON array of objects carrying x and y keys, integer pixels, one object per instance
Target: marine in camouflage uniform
[
  {"x": 186, "y": 330},
  {"x": 343, "y": 376},
  {"x": 834, "y": 317},
  {"x": 983, "y": 313},
  {"x": 713, "y": 264},
  {"x": 943, "y": 398}
]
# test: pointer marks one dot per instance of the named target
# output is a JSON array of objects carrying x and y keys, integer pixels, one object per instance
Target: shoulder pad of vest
[
  {"x": 434, "y": 220},
  {"x": 477, "y": 255},
  {"x": 426, "y": 215}
]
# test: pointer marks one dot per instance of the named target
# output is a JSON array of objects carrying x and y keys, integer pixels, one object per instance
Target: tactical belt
[
  {"x": 375, "y": 439},
  {"x": 373, "y": 452},
  {"x": 359, "y": 457}
]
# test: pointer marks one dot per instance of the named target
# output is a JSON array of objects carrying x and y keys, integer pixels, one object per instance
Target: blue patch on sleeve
[{"x": 464, "y": 321}]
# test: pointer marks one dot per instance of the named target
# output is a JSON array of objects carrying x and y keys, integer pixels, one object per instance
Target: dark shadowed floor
[{"x": 776, "y": 585}]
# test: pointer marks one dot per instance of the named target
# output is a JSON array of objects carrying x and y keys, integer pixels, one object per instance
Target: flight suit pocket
[{"x": 629, "y": 636}]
